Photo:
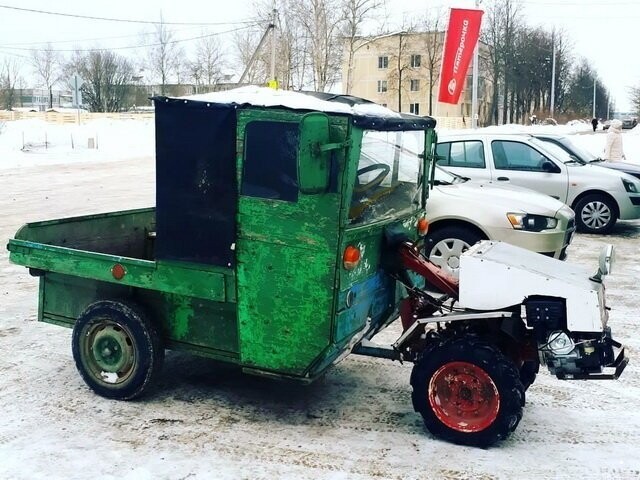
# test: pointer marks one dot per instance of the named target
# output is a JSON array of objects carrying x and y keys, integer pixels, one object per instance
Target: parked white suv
[
  {"x": 599, "y": 196},
  {"x": 461, "y": 213}
]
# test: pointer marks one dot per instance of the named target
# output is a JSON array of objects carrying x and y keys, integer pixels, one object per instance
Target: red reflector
[
  {"x": 118, "y": 271},
  {"x": 423, "y": 226},
  {"x": 351, "y": 257}
]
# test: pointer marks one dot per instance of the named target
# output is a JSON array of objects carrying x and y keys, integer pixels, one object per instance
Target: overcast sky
[{"x": 603, "y": 31}]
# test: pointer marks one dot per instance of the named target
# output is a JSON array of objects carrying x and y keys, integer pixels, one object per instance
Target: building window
[
  {"x": 415, "y": 85},
  {"x": 415, "y": 61},
  {"x": 382, "y": 86},
  {"x": 383, "y": 62},
  {"x": 414, "y": 108}
]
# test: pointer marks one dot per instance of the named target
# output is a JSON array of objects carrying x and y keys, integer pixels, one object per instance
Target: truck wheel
[
  {"x": 444, "y": 246},
  {"x": 467, "y": 392},
  {"x": 595, "y": 214},
  {"x": 116, "y": 349}
]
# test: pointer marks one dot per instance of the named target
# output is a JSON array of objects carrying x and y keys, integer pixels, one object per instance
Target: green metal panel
[
  {"x": 203, "y": 281},
  {"x": 287, "y": 255},
  {"x": 185, "y": 322}
]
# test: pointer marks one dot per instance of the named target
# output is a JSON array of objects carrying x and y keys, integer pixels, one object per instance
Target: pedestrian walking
[
  {"x": 613, "y": 149},
  {"x": 594, "y": 123}
]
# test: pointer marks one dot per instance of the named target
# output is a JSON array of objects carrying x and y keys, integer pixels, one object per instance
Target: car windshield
[
  {"x": 555, "y": 151},
  {"x": 580, "y": 152},
  {"x": 388, "y": 183}
]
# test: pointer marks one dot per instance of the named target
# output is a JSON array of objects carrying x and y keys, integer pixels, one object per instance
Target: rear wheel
[
  {"x": 595, "y": 214},
  {"x": 444, "y": 246},
  {"x": 467, "y": 392},
  {"x": 116, "y": 349}
]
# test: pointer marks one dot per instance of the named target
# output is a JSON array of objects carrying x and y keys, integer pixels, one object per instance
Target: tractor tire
[
  {"x": 595, "y": 213},
  {"x": 116, "y": 349},
  {"x": 467, "y": 391}
]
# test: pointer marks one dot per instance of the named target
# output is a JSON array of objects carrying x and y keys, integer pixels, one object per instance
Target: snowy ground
[{"x": 206, "y": 421}]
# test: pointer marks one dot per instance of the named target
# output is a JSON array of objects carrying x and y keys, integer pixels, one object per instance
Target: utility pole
[
  {"x": 594, "y": 98},
  {"x": 273, "y": 45},
  {"x": 553, "y": 74},
  {"x": 474, "y": 83}
]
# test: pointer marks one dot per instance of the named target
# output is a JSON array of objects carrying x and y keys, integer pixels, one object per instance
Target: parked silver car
[
  {"x": 461, "y": 213},
  {"x": 599, "y": 196}
]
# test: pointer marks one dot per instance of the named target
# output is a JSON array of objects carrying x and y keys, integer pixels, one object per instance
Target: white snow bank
[
  {"x": 36, "y": 142},
  {"x": 571, "y": 127}
]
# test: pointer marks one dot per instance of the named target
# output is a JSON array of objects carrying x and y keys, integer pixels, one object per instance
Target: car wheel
[
  {"x": 117, "y": 350},
  {"x": 595, "y": 214},
  {"x": 444, "y": 246}
]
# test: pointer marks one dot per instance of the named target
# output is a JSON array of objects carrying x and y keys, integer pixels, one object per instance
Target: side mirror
[
  {"x": 605, "y": 263},
  {"x": 549, "y": 166},
  {"x": 313, "y": 159}
]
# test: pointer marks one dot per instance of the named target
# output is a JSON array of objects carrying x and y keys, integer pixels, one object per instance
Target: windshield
[
  {"x": 585, "y": 155},
  {"x": 555, "y": 151},
  {"x": 388, "y": 181}
]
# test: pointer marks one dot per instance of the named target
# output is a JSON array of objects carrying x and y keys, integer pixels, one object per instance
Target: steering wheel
[{"x": 364, "y": 187}]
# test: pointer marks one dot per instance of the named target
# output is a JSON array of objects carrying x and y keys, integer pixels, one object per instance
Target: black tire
[
  {"x": 131, "y": 352},
  {"x": 455, "y": 238},
  {"x": 488, "y": 410},
  {"x": 595, "y": 213}
]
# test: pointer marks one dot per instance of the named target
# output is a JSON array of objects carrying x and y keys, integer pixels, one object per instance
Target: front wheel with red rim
[{"x": 467, "y": 391}]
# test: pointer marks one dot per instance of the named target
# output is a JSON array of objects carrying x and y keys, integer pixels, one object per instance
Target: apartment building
[{"x": 394, "y": 70}]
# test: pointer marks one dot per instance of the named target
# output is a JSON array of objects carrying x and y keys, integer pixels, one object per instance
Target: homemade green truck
[{"x": 285, "y": 236}]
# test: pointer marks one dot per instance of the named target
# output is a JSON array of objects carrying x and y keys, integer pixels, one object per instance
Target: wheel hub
[
  {"x": 109, "y": 350},
  {"x": 446, "y": 254},
  {"x": 464, "y": 397},
  {"x": 596, "y": 214}
]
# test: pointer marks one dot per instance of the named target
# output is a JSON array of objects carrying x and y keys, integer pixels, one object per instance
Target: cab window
[
  {"x": 468, "y": 154},
  {"x": 270, "y": 167}
]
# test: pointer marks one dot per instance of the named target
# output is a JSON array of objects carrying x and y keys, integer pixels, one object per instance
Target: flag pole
[{"x": 474, "y": 83}]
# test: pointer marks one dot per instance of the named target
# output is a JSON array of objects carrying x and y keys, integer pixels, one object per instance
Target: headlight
[
  {"x": 629, "y": 186},
  {"x": 532, "y": 223}
]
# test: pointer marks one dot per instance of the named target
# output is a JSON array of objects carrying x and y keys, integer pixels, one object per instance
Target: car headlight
[
  {"x": 629, "y": 186},
  {"x": 531, "y": 223}
]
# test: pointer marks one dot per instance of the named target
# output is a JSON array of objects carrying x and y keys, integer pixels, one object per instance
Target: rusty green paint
[
  {"x": 164, "y": 277},
  {"x": 287, "y": 258},
  {"x": 184, "y": 321}
]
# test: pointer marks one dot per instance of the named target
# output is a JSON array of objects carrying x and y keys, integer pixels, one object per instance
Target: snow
[
  {"x": 206, "y": 420},
  {"x": 268, "y": 97}
]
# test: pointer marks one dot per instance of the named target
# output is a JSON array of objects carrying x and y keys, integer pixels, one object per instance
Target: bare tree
[
  {"x": 165, "y": 55},
  {"x": 355, "y": 13},
  {"x": 400, "y": 63},
  {"x": 434, "y": 25},
  {"x": 210, "y": 57},
  {"x": 320, "y": 22},
  {"x": 9, "y": 79},
  {"x": 107, "y": 78},
  {"x": 46, "y": 64}
]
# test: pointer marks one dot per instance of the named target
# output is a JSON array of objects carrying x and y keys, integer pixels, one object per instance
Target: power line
[
  {"x": 129, "y": 47},
  {"x": 141, "y": 34},
  {"x": 122, "y": 20}
]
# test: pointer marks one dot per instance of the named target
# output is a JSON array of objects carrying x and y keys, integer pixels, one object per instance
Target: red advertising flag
[{"x": 461, "y": 39}]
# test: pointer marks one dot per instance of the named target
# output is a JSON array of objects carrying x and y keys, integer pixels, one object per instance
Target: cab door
[{"x": 286, "y": 247}]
